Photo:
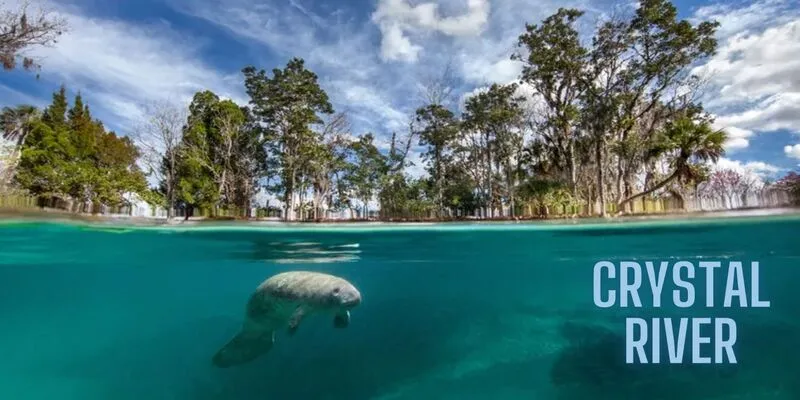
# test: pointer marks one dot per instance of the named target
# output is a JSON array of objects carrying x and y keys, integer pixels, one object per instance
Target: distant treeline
[{"x": 586, "y": 129}]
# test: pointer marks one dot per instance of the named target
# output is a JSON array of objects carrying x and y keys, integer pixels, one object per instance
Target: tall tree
[
  {"x": 661, "y": 51},
  {"x": 69, "y": 155},
  {"x": 438, "y": 130},
  {"x": 287, "y": 104},
  {"x": 44, "y": 155},
  {"x": 554, "y": 67},
  {"x": 209, "y": 136},
  {"x": 601, "y": 95},
  {"x": 328, "y": 161},
  {"x": 494, "y": 115},
  {"x": 159, "y": 137},
  {"x": 368, "y": 168},
  {"x": 250, "y": 162}
]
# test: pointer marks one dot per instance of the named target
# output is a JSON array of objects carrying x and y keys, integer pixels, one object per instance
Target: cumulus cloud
[
  {"x": 738, "y": 138},
  {"x": 758, "y": 168},
  {"x": 754, "y": 85},
  {"x": 792, "y": 151},
  {"x": 398, "y": 18}
]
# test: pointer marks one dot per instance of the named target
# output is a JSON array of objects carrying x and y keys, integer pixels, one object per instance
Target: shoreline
[{"x": 38, "y": 215}]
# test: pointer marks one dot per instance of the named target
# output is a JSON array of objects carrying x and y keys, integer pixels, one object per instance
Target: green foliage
[
  {"x": 287, "y": 105},
  {"x": 495, "y": 115},
  {"x": 545, "y": 195},
  {"x": 368, "y": 169},
  {"x": 439, "y": 129},
  {"x": 689, "y": 141},
  {"x": 67, "y": 154},
  {"x": 195, "y": 167},
  {"x": 606, "y": 112},
  {"x": 555, "y": 64},
  {"x": 153, "y": 197}
]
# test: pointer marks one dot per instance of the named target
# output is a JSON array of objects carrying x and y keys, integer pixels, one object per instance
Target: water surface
[{"x": 500, "y": 311}]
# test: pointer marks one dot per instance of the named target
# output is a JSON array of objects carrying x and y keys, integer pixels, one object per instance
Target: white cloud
[
  {"x": 754, "y": 85},
  {"x": 482, "y": 70},
  {"x": 341, "y": 52},
  {"x": 396, "y": 46},
  {"x": 120, "y": 65},
  {"x": 736, "y": 20},
  {"x": 737, "y": 137},
  {"x": 758, "y": 168},
  {"x": 396, "y": 18},
  {"x": 792, "y": 151},
  {"x": 417, "y": 170}
]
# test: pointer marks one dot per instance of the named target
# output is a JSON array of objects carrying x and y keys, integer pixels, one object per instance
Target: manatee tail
[{"x": 245, "y": 347}]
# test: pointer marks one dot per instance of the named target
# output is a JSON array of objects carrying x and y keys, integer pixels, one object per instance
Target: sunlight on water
[{"x": 499, "y": 311}]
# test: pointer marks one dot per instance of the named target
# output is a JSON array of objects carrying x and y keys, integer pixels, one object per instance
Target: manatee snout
[{"x": 349, "y": 297}]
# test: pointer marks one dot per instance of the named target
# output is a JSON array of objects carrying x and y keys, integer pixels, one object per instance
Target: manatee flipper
[
  {"x": 342, "y": 319},
  {"x": 294, "y": 320},
  {"x": 245, "y": 347}
]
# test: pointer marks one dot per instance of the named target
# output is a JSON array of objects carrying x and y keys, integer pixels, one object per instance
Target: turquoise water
[{"x": 448, "y": 312}]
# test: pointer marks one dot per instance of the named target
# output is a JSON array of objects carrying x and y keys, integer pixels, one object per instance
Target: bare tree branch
[
  {"x": 22, "y": 29},
  {"x": 159, "y": 137}
]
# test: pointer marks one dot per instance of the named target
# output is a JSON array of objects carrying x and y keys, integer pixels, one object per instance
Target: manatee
[{"x": 282, "y": 302}]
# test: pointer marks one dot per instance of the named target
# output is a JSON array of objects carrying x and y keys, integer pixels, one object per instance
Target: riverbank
[{"x": 55, "y": 215}]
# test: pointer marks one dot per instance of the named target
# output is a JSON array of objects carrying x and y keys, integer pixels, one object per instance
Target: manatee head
[{"x": 342, "y": 295}]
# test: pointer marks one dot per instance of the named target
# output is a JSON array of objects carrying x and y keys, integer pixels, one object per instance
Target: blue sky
[{"x": 371, "y": 56}]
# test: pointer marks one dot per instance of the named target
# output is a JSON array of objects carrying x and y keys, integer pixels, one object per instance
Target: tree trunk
[
  {"x": 289, "y": 199},
  {"x": 573, "y": 171},
  {"x": 628, "y": 189},
  {"x": 600, "y": 186},
  {"x": 221, "y": 187},
  {"x": 648, "y": 191},
  {"x": 510, "y": 184},
  {"x": 489, "y": 176}
]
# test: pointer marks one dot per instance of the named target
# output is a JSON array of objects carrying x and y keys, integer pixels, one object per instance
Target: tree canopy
[{"x": 589, "y": 127}]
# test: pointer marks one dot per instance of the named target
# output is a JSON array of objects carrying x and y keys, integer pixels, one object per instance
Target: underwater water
[{"x": 500, "y": 311}]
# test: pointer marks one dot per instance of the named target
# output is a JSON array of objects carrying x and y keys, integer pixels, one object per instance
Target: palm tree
[
  {"x": 16, "y": 125},
  {"x": 691, "y": 142}
]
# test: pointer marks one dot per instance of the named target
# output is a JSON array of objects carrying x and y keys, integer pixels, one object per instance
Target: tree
[
  {"x": 439, "y": 129},
  {"x": 329, "y": 161},
  {"x": 724, "y": 183},
  {"x": 601, "y": 96},
  {"x": 250, "y": 162},
  {"x": 20, "y": 30},
  {"x": 16, "y": 124},
  {"x": 287, "y": 104},
  {"x": 368, "y": 168},
  {"x": 554, "y": 67},
  {"x": 495, "y": 117},
  {"x": 159, "y": 137},
  {"x": 395, "y": 186},
  {"x": 69, "y": 155},
  {"x": 661, "y": 51},
  {"x": 438, "y": 89},
  {"x": 686, "y": 142},
  {"x": 791, "y": 184},
  {"x": 199, "y": 183},
  {"x": 215, "y": 126},
  {"x": 42, "y": 165}
]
